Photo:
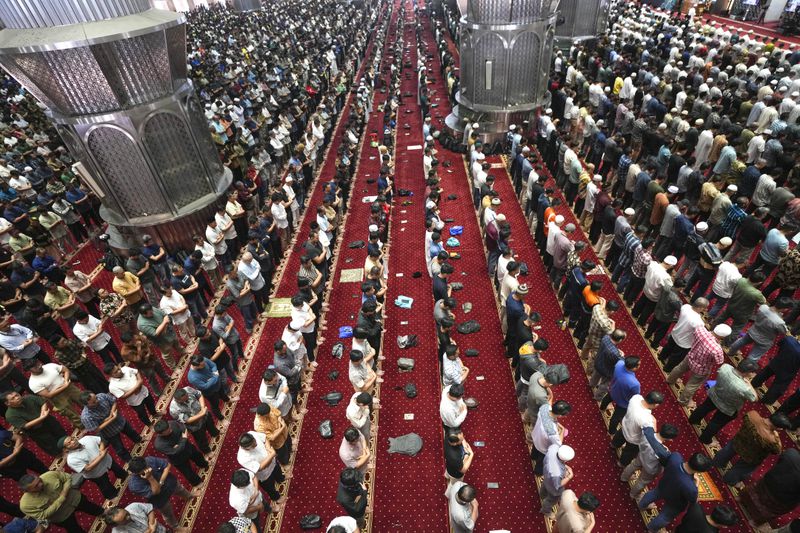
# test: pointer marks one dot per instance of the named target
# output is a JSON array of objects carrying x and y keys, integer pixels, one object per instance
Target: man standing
[
  {"x": 152, "y": 479},
  {"x": 452, "y": 408},
  {"x": 156, "y": 326},
  {"x": 204, "y": 376},
  {"x": 126, "y": 383},
  {"x": 576, "y": 514},
  {"x": 136, "y": 517},
  {"x": 463, "y": 508},
  {"x": 51, "y": 497},
  {"x": 89, "y": 457},
  {"x": 101, "y": 414},
  {"x": 682, "y": 335},
  {"x": 189, "y": 407},
  {"x": 703, "y": 358},
  {"x": 731, "y": 389},
  {"x": 52, "y": 382},
  {"x": 677, "y": 486},
  {"x": 638, "y": 417},
  {"x": 31, "y": 414},
  {"x": 257, "y": 456},
  {"x": 173, "y": 441},
  {"x": 352, "y": 494}
]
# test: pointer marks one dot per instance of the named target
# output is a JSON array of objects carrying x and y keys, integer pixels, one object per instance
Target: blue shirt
[
  {"x": 732, "y": 220},
  {"x": 676, "y": 487},
  {"x": 204, "y": 379},
  {"x": 74, "y": 195},
  {"x": 624, "y": 385},
  {"x": 514, "y": 310},
  {"x": 640, "y": 189},
  {"x": 141, "y": 487},
  {"x": 21, "y": 525},
  {"x": 774, "y": 247}
]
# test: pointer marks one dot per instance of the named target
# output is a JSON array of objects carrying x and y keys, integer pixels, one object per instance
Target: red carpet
[
  {"x": 409, "y": 490},
  {"x": 317, "y": 463}
]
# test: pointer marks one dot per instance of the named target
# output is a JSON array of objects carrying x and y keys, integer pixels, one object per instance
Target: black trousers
[
  {"x": 84, "y": 506},
  {"x": 11, "y": 509},
  {"x": 633, "y": 289},
  {"x": 643, "y": 309},
  {"x": 671, "y": 355},
  {"x": 26, "y": 460},
  {"x": 629, "y": 451},
  {"x": 201, "y": 435},
  {"x": 717, "y": 422},
  {"x": 270, "y": 485},
  {"x": 284, "y": 453},
  {"x": 116, "y": 441},
  {"x": 183, "y": 462},
  {"x": 657, "y": 330},
  {"x": 91, "y": 377},
  {"x": 110, "y": 353},
  {"x": 103, "y": 482},
  {"x": 616, "y": 417},
  {"x": 142, "y": 410},
  {"x": 778, "y": 386},
  {"x": 214, "y": 397}
]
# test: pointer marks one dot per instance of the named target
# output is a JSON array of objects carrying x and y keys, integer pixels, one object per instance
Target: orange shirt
[{"x": 549, "y": 215}]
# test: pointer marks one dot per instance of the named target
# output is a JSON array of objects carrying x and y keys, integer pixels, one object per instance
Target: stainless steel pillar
[
  {"x": 246, "y": 5},
  {"x": 581, "y": 21},
  {"x": 505, "y": 49},
  {"x": 112, "y": 74}
]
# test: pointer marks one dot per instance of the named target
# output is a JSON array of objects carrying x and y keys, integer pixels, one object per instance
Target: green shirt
[
  {"x": 30, "y": 409},
  {"x": 744, "y": 300},
  {"x": 149, "y": 325},
  {"x": 56, "y": 299},
  {"x": 49, "y": 504},
  {"x": 19, "y": 242},
  {"x": 731, "y": 391}
]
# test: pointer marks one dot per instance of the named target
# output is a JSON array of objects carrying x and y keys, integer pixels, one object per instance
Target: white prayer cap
[
  {"x": 566, "y": 453},
  {"x": 597, "y": 177},
  {"x": 630, "y": 212},
  {"x": 671, "y": 260},
  {"x": 548, "y": 111},
  {"x": 501, "y": 217},
  {"x": 512, "y": 127},
  {"x": 722, "y": 330},
  {"x": 475, "y": 125},
  {"x": 672, "y": 189},
  {"x": 496, "y": 201},
  {"x": 701, "y": 227},
  {"x": 699, "y": 122},
  {"x": 725, "y": 242},
  {"x": 732, "y": 188},
  {"x": 559, "y": 219},
  {"x": 372, "y": 228}
]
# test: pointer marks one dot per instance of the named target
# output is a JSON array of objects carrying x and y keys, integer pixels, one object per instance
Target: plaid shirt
[
  {"x": 641, "y": 260},
  {"x": 705, "y": 355},
  {"x": 732, "y": 220},
  {"x": 624, "y": 165},
  {"x": 599, "y": 326},
  {"x": 573, "y": 259},
  {"x": 632, "y": 242},
  {"x": 92, "y": 417},
  {"x": 72, "y": 355}
]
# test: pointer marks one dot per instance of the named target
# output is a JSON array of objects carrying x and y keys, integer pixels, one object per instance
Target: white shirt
[
  {"x": 50, "y": 378},
  {"x": 169, "y": 304},
  {"x": 84, "y": 331},
  {"x": 655, "y": 279},
  {"x": 452, "y": 370},
  {"x": 356, "y": 414},
  {"x": 242, "y": 498},
  {"x": 119, "y": 386},
  {"x": 280, "y": 400},
  {"x": 683, "y": 332},
  {"x": 303, "y": 314},
  {"x": 222, "y": 221},
  {"x": 348, "y": 523},
  {"x": 279, "y": 215},
  {"x": 212, "y": 234},
  {"x": 209, "y": 260},
  {"x": 251, "y": 460},
  {"x": 453, "y": 413},
  {"x": 460, "y": 513},
  {"x": 5, "y": 225},
  {"x": 727, "y": 276},
  {"x": 78, "y": 459},
  {"x": 637, "y": 418}
]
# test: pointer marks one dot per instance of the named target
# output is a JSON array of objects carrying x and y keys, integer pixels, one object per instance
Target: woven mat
[
  {"x": 707, "y": 490},
  {"x": 280, "y": 308},
  {"x": 351, "y": 275}
]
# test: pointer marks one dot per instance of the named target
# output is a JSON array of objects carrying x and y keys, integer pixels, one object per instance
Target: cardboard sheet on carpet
[{"x": 280, "y": 308}]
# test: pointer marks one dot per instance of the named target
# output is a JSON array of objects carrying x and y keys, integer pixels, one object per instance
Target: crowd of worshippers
[
  {"x": 675, "y": 143},
  {"x": 82, "y": 366}
]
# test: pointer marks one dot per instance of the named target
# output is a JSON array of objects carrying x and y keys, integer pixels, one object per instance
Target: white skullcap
[
  {"x": 548, "y": 111},
  {"x": 768, "y": 132},
  {"x": 475, "y": 125},
  {"x": 672, "y": 189},
  {"x": 600, "y": 122},
  {"x": 722, "y": 330},
  {"x": 496, "y": 201},
  {"x": 671, "y": 260},
  {"x": 559, "y": 219},
  {"x": 27, "y": 169},
  {"x": 630, "y": 212},
  {"x": 372, "y": 228},
  {"x": 512, "y": 127},
  {"x": 732, "y": 188},
  {"x": 566, "y": 453},
  {"x": 725, "y": 242},
  {"x": 701, "y": 227},
  {"x": 699, "y": 122},
  {"x": 795, "y": 94},
  {"x": 501, "y": 217}
]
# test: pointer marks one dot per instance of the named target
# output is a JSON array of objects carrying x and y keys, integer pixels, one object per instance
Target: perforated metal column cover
[{"x": 48, "y": 13}]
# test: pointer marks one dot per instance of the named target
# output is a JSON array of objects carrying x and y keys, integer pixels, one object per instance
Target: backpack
[
  {"x": 326, "y": 429},
  {"x": 410, "y": 390},
  {"x": 470, "y": 326},
  {"x": 405, "y": 364},
  {"x": 338, "y": 350}
]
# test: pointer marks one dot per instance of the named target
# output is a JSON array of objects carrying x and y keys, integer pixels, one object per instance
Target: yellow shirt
[{"x": 127, "y": 287}]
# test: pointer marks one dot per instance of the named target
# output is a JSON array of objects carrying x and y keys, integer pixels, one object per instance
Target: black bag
[
  {"x": 333, "y": 375},
  {"x": 470, "y": 326},
  {"x": 356, "y": 244},
  {"x": 311, "y": 521},
  {"x": 471, "y": 352},
  {"x": 410, "y": 390},
  {"x": 332, "y": 398},
  {"x": 403, "y": 192},
  {"x": 451, "y": 196},
  {"x": 523, "y": 269},
  {"x": 456, "y": 285},
  {"x": 326, "y": 429},
  {"x": 416, "y": 274}
]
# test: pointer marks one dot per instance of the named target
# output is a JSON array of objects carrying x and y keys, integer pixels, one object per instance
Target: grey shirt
[{"x": 767, "y": 325}]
